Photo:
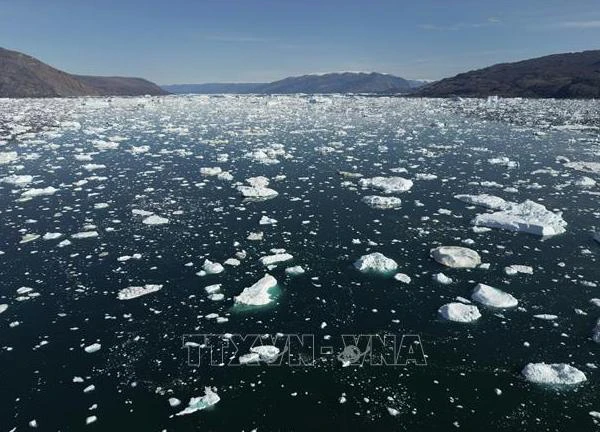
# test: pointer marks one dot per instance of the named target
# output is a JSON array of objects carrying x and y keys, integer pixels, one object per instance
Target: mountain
[
  {"x": 570, "y": 75},
  {"x": 24, "y": 76},
  {"x": 342, "y": 82},
  {"x": 212, "y": 88}
]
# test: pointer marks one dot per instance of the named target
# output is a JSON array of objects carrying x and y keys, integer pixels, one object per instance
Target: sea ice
[
  {"x": 493, "y": 297},
  {"x": 199, "y": 403},
  {"x": 37, "y": 192},
  {"x": 556, "y": 373},
  {"x": 387, "y": 184},
  {"x": 295, "y": 270},
  {"x": 137, "y": 291},
  {"x": 456, "y": 256},
  {"x": 460, "y": 312},
  {"x": 382, "y": 202},
  {"x": 267, "y": 353},
  {"x": 442, "y": 278},
  {"x": 92, "y": 348},
  {"x": 274, "y": 259},
  {"x": 402, "y": 277},
  {"x": 258, "y": 294},
  {"x": 212, "y": 267},
  {"x": 377, "y": 263},
  {"x": 155, "y": 220}
]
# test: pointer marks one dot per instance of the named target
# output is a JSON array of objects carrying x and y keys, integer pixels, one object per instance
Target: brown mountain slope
[
  {"x": 570, "y": 75},
  {"x": 24, "y": 76}
]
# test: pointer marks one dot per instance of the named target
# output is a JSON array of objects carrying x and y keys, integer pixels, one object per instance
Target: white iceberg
[
  {"x": 459, "y": 312},
  {"x": 556, "y": 373},
  {"x": 257, "y": 192},
  {"x": 266, "y": 353},
  {"x": 493, "y": 297},
  {"x": 137, "y": 291},
  {"x": 456, "y": 256},
  {"x": 258, "y": 294},
  {"x": 295, "y": 270},
  {"x": 155, "y": 220},
  {"x": 387, "y": 184},
  {"x": 377, "y": 263},
  {"x": 199, "y": 403},
  {"x": 212, "y": 267},
  {"x": 92, "y": 348},
  {"x": 276, "y": 258},
  {"x": 490, "y": 201},
  {"x": 382, "y": 202},
  {"x": 442, "y": 278},
  {"x": 37, "y": 192}
]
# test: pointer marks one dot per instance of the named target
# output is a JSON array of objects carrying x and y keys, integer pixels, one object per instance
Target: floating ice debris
[
  {"x": 257, "y": 192},
  {"x": 199, "y": 403},
  {"x": 484, "y": 200},
  {"x": 529, "y": 217},
  {"x": 90, "y": 419},
  {"x": 137, "y": 291},
  {"x": 503, "y": 161},
  {"x": 258, "y": 294},
  {"x": 141, "y": 212},
  {"x": 381, "y": 202},
  {"x": 155, "y": 220},
  {"x": 64, "y": 243},
  {"x": 37, "y": 192},
  {"x": 255, "y": 236},
  {"x": 401, "y": 277},
  {"x": 265, "y": 220},
  {"x": 456, "y": 256},
  {"x": 393, "y": 412},
  {"x": 29, "y": 238},
  {"x": 92, "y": 348},
  {"x": 547, "y": 317},
  {"x": 516, "y": 268},
  {"x": 267, "y": 353},
  {"x": 93, "y": 167},
  {"x": 585, "y": 182},
  {"x": 174, "y": 402},
  {"x": 211, "y": 289},
  {"x": 212, "y": 267},
  {"x": 387, "y": 184},
  {"x": 442, "y": 278},
  {"x": 210, "y": 171},
  {"x": 52, "y": 236},
  {"x": 493, "y": 297},
  {"x": 555, "y": 374},
  {"x": 274, "y": 259},
  {"x": 295, "y": 270},
  {"x": 126, "y": 258},
  {"x": 232, "y": 262},
  {"x": 596, "y": 332},
  {"x": 3, "y": 308},
  {"x": 8, "y": 157},
  {"x": 459, "y": 312},
  {"x": 589, "y": 167},
  {"x": 376, "y": 263},
  {"x": 85, "y": 235},
  {"x": 17, "y": 180},
  {"x": 249, "y": 358}
]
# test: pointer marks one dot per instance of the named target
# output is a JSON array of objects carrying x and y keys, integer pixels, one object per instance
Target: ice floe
[
  {"x": 553, "y": 374},
  {"x": 137, "y": 291},
  {"x": 459, "y": 312},
  {"x": 387, "y": 185},
  {"x": 210, "y": 398},
  {"x": 456, "y": 256},
  {"x": 376, "y": 263},
  {"x": 259, "y": 293},
  {"x": 493, "y": 297}
]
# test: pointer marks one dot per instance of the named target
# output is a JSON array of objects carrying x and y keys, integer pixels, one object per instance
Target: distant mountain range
[
  {"x": 24, "y": 76},
  {"x": 570, "y": 75},
  {"x": 338, "y": 82}
]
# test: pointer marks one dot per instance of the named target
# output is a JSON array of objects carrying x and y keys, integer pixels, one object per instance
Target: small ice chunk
[
  {"x": 442, "y": 278},
  {"x": 382, "y": 202},
  {"x": 387, "y": 185},
  {"x": 265, "y": 220},
  {"x": 274, "y": 259},
  {"x": 85, "y": 235},
  {"x": 295, "y": 270},
  {"x": 516, "y": 268},
  {"x": 92, "y": 348},
  {"x": 155, "y": 220},
  {"x": 212, "y": 267},
  {"x": 402, "y": 277},
  {"x": 267, "y": 353},
  {"x": 173, "y": 402},
  {"x": 493, "y": 297}
]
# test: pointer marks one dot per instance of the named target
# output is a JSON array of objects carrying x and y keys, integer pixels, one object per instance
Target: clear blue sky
[{"x": 181, "y": 41}]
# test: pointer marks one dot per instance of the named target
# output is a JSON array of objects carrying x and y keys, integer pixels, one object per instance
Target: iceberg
[
  {"x": 212, "y": 267},
  {"x": 402, "y": 277},
  {"x": 258, "y": 294},
  {"x": 459, "y": 312},
  {"x": 456, "y": 256},
  {"x": 155, "y": 220},
  {"x": 387, "y": 184},
  {"x": 381, "y": 202},
  {"x": 490, "y": 201},
  {"x": 556, "y": 373},
  {"x": 376, "y": 263},
  {"x": 493, "y": 297},
  {"x": 92, "y": 348},
  {"x": 274, "y": 259},
  {"x": 529, "y": 217},
  {"x": 266, "y": 353},
  {"x": 210, "y": 398},
  {"x": 137, "y": 291},
  {"x": 295, "y": 270},
  {"x": 17, "y": 180},
  {"x": 442, "y": 278},
  {"x": 257, "y": 192}
]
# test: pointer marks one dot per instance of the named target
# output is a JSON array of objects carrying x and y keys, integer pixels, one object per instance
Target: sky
[{"x": 179, "y": 41}]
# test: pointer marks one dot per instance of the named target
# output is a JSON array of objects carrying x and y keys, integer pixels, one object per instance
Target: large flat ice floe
[
  {"x": 137, "y": 291},
  {"x": 459, "y": 312},
  {"x": 258, "y": 294},
  {"x": 210, "y": 398},
  {"x": 155, "y": 220},
  {"x": 257, "y": 189},
  {"x": 556, "y": 374},
  {"x": 493, "y": 297},
  {"x": 376, "y": 263},
  {"x": 456, "y": 256},
  {"x": 528, "y": 216},
  {"x": 387, "y": 184}
]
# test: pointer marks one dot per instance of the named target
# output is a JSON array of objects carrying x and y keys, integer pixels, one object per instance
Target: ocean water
[{"x": 110, "y": 158}]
